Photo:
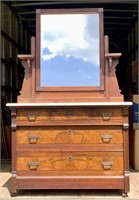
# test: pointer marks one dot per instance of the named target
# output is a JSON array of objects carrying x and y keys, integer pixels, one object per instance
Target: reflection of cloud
[
  {"x": 91, "y": 30},
  {"x": 71, "y": 36},
  {"x": 49, "y": 56},
  {"x": 69, "y": 72},
  {"x": 79, "y": 70}
]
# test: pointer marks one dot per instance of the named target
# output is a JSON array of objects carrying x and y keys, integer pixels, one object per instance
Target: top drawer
[{"x": 67, "y": 116}]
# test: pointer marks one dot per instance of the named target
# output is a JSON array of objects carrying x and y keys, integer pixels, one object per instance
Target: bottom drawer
[{"x": 72, "y": 164}]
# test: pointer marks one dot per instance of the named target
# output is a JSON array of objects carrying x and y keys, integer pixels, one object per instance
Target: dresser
[
  {"x": 70, "y": 146},
  {"x": 71, "y": 134}
]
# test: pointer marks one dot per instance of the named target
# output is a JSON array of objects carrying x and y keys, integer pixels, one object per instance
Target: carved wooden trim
[
  {"x": 126, "y": 156},
  {"x": 126, "y": 175},
  {"x": 112, "y": 55},
  {"x": 13, "y": 117},
  {"x": 28, "y": 59},
  {"x": 125, "y": 111},
  {"x": 125, "y": 127}
]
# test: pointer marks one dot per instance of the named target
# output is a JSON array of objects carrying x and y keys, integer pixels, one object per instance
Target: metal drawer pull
[
  {"x": 106, "y": 116},
  {"x": 106, "y": 138},
  {"x": 107, "y": 165},
  {"x": 32, "y": 118},
  {"x": 33, "y": 165},
  {"x": 33, "y": 139}
]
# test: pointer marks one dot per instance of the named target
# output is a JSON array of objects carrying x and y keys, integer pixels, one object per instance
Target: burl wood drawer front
[
  {"x": 70, "y": 162},
  {"x": 63, "y": 116},
  {"x": 70, "y": 135}
]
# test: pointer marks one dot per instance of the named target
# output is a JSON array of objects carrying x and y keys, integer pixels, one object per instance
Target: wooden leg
[
  {"x": 13, "y": 189},
  {"x": 13, "y": 194},
  {"x": 124, "y": 194}
]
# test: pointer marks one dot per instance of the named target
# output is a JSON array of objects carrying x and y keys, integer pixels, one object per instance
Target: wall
[
  {"x": 133, "y": 41},
  {"x": 14, "y": 40}
]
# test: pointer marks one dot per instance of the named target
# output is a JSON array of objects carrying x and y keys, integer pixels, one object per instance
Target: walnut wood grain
[
  {"x": 72, "y": 182},
  {"x": 70, "y": 114},
  {"x": 69, "y": 135},
  {"x": 39, "y": 114},
  {"x": 57, "y": 152},
  {"x": 70, "y": 145},
  {"x": 23, "y": 149},
  {"x": 69, "y": 173},
  {"x": 70, "y": 163}
]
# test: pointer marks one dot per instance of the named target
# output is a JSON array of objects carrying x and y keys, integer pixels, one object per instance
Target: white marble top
[{"x": 93, "y": 104}]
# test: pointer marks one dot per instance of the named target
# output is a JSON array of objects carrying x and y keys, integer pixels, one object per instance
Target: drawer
[
  {"x": 70, "y": 135},
  {"x": 69, "y": 116},
  {"x": 71, "y": 161}
]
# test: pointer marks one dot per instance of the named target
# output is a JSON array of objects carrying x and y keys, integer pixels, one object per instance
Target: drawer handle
[
  {"x": 32, "y": 118},
  {"x": 106, "y": 138},
  {"x": 106, "y": 116},
  {"x": 33, "y": 165},
  {"x": 107, "y": 165},
  {"x": 33, "y": 139}
]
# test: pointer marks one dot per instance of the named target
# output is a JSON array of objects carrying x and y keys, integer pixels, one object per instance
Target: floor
[{"x": 66, "y": 194}]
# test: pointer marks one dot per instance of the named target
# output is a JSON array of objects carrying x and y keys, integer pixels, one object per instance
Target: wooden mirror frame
[{"x": 101, "y": 44}]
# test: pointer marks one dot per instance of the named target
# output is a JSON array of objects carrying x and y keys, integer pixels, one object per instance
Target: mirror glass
[{"x": 69, "y": 50}]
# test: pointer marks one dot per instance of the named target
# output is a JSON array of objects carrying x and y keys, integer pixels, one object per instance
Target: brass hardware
[
  {"x": 69, "y": 131},
  {"x": 69, "y": 114},
  {"x": 106, "y": 138},
  {"x": 33, "y": 165},
  {"x": 32, "y": 118},
  {"x": 70, "y": 158},
  {"x": 107, "y": 165},
  {"x": 33, "y": 139},
  {"x": 106, "y": 116}
]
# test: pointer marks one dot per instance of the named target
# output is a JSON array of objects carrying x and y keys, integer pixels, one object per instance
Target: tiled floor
[{"x": 66, "y": 194}]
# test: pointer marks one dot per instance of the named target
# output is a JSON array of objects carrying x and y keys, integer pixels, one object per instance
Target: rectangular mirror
[{"x": 69, "y": 49}]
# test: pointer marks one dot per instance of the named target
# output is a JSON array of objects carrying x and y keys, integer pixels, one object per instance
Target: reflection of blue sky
[
  {"x": 70, "y": 50},
  {"x": 62, "y": 71}
]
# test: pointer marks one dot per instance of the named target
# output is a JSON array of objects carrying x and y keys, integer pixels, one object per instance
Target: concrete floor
[{"x": 66, "y": 194}]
